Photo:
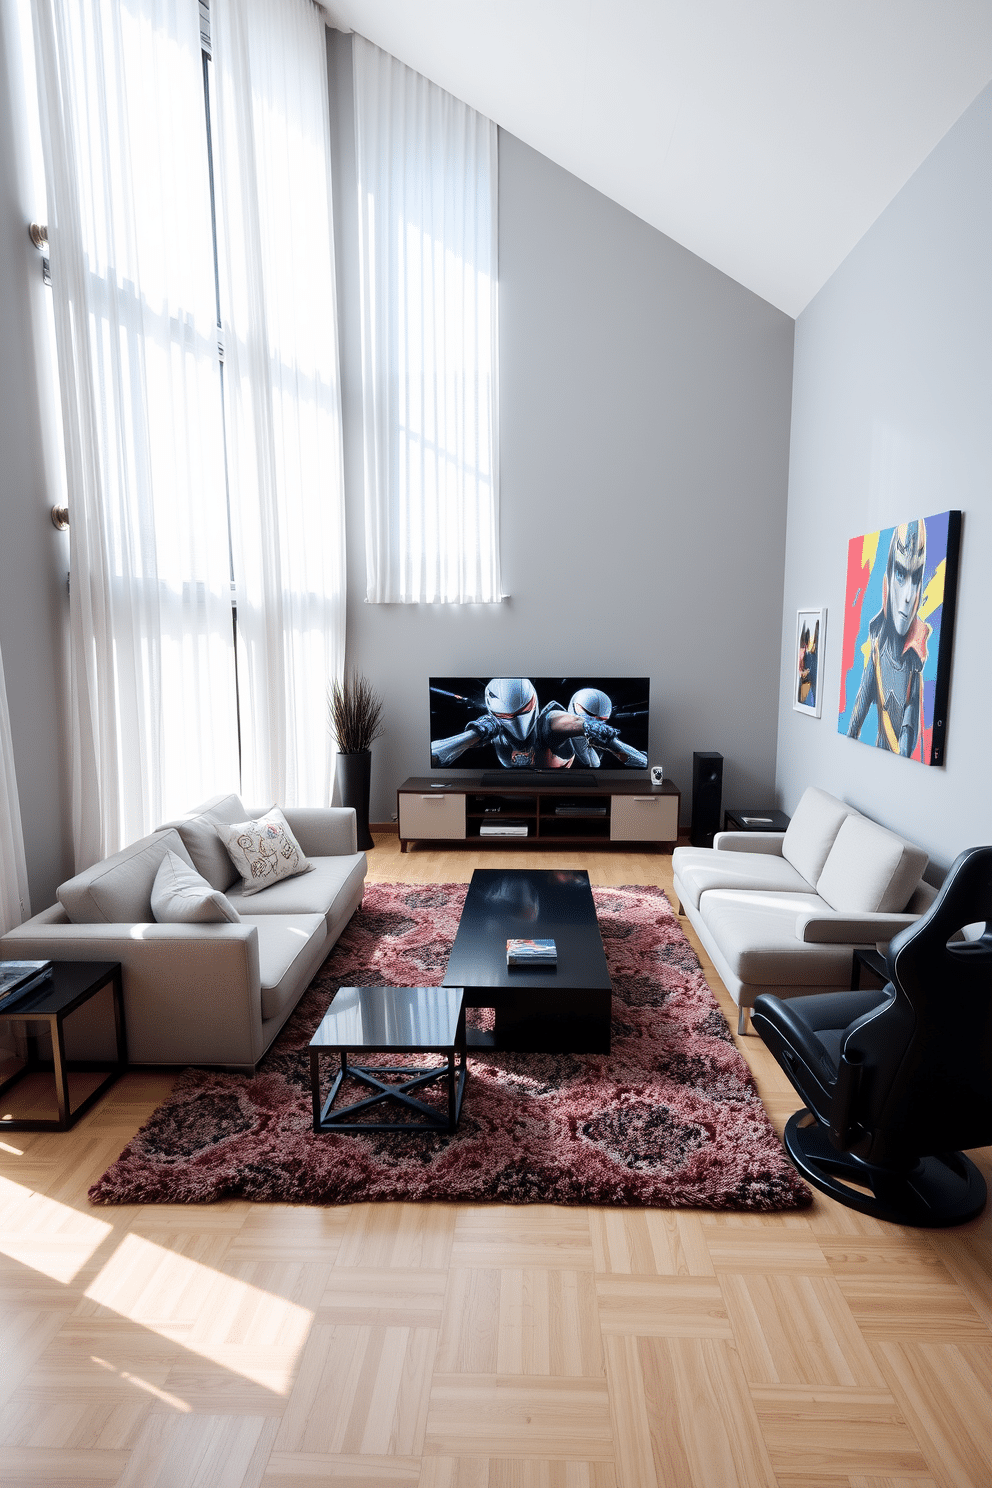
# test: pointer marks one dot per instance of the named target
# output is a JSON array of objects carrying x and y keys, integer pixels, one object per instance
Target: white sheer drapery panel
[
  {"x": 154, "y": 723},
  {"x": 15, "y": 905},
  {"x": 427, "y": 210},
  {"x": 281, "y": 388}
]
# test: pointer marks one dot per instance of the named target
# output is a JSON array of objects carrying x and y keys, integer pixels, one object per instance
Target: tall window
[
  {"x": 282, "y": 394},
  {"x": 155, "y": 526},
  {"x": 427, "y": 207},
  {"x": 153, "y": 702}
]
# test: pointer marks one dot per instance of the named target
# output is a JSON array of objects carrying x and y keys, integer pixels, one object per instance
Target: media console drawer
[
  {"x": 647, "y": 818},
  {"x": 431, "y": 813}
]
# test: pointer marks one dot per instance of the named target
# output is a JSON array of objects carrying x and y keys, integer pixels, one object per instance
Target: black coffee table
[{"x": 562, "y": 1009}]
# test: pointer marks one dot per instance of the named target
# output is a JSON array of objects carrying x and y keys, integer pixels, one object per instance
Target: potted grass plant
[{"x": 354, "y": 718}]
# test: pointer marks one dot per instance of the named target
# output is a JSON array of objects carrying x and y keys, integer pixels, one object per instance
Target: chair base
[{"x": 942, "y": 1190}]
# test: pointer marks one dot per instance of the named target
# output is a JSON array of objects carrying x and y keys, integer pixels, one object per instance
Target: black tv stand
[
  {"x": 553, "y": 813},
  {"x": 507, "y": 779}
]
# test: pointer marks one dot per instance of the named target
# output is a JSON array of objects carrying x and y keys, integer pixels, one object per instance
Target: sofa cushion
[
  {"x": 812, "y": 830},
  {"x": 319, "y": 892},
  {"x": 756, "y": 934},
  {"x": 290, "y": 951},
  {"x": 263, "y": 850},
  {"x": 699, "y": 869},
  {"x": 118, "y": 890},
  {"x": 180, "y": 896},
  {"x": 869, "y": 869},
  {"x": 199, "y": 834}
]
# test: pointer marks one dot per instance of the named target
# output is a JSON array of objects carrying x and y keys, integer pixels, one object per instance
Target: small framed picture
[{"x": 806, "y": 681}]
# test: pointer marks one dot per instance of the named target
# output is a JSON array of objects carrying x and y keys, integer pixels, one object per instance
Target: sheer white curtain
[
  {"x": 281, "y": 391},
  {"x": 15, "y": 905},
  {"x": 427, "y": 207},
  {"x": 154, "y": 725}
]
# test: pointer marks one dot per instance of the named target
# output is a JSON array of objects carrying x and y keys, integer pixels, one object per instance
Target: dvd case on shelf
[{"x": 531, "y": 953}]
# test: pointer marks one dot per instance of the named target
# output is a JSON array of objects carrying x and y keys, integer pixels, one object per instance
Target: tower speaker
[{"x": 707, "y": 797}]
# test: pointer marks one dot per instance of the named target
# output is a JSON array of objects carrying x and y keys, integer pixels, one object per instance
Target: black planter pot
[{"x": 354, "y": 777}]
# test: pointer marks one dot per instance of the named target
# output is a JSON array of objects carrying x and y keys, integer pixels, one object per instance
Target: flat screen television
[{"x": 539, "y": 724}]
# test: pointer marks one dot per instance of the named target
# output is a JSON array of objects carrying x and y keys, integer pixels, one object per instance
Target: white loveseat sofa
[
  {"x": 783, "y": 912},
  {"x": 209, "y": 994}
]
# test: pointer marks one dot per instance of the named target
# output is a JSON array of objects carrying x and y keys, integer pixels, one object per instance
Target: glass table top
[{"x": 390, "y": 1018}]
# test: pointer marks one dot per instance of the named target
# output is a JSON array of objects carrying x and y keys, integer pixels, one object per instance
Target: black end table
[
  {"x": 866, "y": 960},
  {"x": 72, "y": 984},
  {"x": 755, "y": 819},
  {"x": 391, "y": 1020}
]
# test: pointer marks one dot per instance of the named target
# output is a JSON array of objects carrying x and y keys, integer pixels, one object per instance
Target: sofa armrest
[
  {"x": 60, "y": 932},
  {"x": 223, "y": 950},
  {"x": 752, "y": 842},
  {"x": 323, "y": 831},
  {"x": 851, "y": 929},
  {"x": 192, "y": 993}
]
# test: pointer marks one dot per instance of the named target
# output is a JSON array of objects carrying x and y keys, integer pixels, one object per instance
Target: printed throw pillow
[
  {"x": 181, "y": 897},
  {"x": 263, "y": 851}
]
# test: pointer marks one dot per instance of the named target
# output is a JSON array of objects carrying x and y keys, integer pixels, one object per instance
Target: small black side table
[
  {"x": 867, "y": 959},
  {"x": 72, "y": 984},
  {"x": 758, "y": 819},
  {"x": 391, "y": 1020}
]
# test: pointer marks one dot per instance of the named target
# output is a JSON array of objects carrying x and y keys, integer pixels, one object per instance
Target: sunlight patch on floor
[
  {"x": 221, "y": 1318},
  {"x": 50, "y": 1237},
  {"x": 162, "y": 1396}
]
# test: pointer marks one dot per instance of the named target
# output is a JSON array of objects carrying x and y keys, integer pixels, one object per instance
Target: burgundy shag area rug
[{"x": 670, "y": 1118}]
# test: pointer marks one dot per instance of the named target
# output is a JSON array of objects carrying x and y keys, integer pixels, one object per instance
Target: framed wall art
[
  {"x": 898, "y": 630},
  {"x": 806, "y": 691}
]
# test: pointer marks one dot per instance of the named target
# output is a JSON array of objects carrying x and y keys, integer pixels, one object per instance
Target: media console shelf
[{"x": 557, "y": 814}]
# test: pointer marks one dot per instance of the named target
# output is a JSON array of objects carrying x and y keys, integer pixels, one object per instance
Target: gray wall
[
  {"x": 892, "y": 418},
  {"x": 644, "y": 408},
  {"x": 34, "y": 558}
]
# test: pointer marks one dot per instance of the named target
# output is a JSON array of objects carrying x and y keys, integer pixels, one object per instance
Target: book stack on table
[
  {"x": 531, "y": 953},
  {"x": 18, "y": 978}
]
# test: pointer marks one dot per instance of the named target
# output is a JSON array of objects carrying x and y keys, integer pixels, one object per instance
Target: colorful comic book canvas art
[{"x": 898, "y": 630}]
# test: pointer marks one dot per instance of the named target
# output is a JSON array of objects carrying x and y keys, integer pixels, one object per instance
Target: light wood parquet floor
[{"x": 453, "y": 1346}]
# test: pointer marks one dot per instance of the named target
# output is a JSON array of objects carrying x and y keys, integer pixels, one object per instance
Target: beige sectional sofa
[
  {"x": 209, "y": 994},
  {"x": 782, "y": 912}
]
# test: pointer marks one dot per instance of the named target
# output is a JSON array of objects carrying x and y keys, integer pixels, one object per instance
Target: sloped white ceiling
[{"x": 764, "y": 135}]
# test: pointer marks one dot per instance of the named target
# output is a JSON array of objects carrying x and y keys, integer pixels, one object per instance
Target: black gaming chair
[{"x": 896, "y": 1080}]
